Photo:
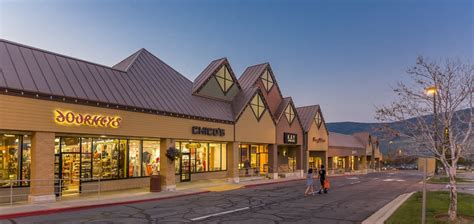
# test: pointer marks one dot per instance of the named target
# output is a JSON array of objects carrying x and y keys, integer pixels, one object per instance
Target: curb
[
  {"x": 83, "y": 207},
  {"x": 380, "y": 216},
  {"x": 269, "y": 183}
]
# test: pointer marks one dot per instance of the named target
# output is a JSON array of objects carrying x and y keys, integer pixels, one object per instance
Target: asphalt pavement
[{"x": 351, "y": 199}]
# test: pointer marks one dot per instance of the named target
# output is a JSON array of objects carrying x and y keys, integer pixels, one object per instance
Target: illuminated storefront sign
[
  {"x": 208, "y": 131},
  {"x": 289, "y": 138},
  {"x": 83, "y": 119}
]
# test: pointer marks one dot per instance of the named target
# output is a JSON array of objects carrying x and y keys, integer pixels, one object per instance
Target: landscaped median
[
  {"x": 445, "y": 180},
  {"x": 437, "y": 203}
]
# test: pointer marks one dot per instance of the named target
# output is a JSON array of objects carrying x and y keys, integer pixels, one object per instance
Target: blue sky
[{"x": 343, "y": 55}]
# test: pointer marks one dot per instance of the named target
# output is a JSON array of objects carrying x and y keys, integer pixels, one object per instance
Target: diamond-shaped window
[
  {"x": 257, "y": 106},
  {"x": 267, "y": 80},
  {"x": 318, "y": 119},
  {"x": 224, "y": 79},
  {"x": 290, "y": 113}
]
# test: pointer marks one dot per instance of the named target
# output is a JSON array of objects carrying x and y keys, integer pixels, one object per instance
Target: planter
[{"x": 155, "y": 183}]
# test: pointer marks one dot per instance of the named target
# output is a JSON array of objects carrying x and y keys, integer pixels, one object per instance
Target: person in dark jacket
[{"x": 322, "y": 178}]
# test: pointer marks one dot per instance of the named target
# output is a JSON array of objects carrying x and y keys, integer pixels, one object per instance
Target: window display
[
  {"x": 204, "y": 156},
  {"x": 151, "y": 157},
  {"x": 25, "y": 159},
  {"x": 255, "y": 156},
  {"x": 109, "y": 158},
  {"x": 134, "y": 158},
  {"x": 9, "y": 159}
]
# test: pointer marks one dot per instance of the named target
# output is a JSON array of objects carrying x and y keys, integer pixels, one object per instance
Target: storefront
[
  {"x": 316, "y": 137},
  {"x": 200, "y": 158}
]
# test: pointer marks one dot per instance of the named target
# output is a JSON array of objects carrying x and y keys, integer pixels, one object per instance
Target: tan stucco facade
[{"x": 250, "y": 130}]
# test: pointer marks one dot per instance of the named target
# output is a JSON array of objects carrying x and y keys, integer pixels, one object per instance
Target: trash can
[{"x": 155, "y": 183}]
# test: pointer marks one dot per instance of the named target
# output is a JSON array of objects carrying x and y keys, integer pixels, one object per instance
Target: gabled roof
[
  {"x": 362, "y": 137},
  {"x": 282, "y": 107},
  {"x": 345, "y": 141},
  {"x": 306, "y": 115},
  {"x": 242, "y": 100},
  {"x": 147, "y": 84},
  {"x": 128, "y": 61},
  {"x": 211, "y": 70},
  {"x": 251, "y": 75}
]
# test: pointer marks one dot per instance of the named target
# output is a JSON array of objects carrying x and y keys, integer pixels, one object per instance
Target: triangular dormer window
[
  {"x": 318, "y": 120},
  {"x": 267, "y": 80},
  {"x": 290, "y": 113},
  {"x": 257, "y": 106},
  {"x": 224, "y": 79}
]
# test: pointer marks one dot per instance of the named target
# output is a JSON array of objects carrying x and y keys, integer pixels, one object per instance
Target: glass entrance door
[
  {"x": 185, "y": 167},
  {"x": 71, "y": 166}
]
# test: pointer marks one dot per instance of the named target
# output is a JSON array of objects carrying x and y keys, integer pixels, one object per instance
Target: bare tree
[{"x": 437, "y": 124}]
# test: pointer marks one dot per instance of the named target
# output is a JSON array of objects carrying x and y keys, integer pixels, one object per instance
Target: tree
[{"x": 445, "y": 132}]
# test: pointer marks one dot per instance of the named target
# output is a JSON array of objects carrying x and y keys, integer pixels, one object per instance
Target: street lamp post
[{"x": 432, "y": 90}]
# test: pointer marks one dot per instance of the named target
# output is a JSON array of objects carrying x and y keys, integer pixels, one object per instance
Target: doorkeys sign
[{"x": 83, "y": 119}]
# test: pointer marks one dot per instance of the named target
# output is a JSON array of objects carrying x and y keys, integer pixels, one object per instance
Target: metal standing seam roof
[
  {"x": 282, "y": 107},
  {"x": 141, "y": 80},
  {"x": 251, "y": 74},
  {"x": 209, "y": 71},
  {"x": 345, "y": 141},
  {"x": 307, "y": 114}
]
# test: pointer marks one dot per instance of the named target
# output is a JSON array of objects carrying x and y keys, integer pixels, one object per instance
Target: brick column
[
  {"x": 273, "y": 161},
  {"x": 42, "y": 168},
  {"x": 233, "y": 155},
  {"x": 167, "y": 166}
]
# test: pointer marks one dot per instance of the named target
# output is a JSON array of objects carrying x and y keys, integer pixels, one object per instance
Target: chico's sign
[
  {"x": 84, "y": 119},
  {"x": 208, "y": 131}
]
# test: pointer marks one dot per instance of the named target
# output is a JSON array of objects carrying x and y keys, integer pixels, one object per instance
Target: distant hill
[{"x": 373, "y": 128}]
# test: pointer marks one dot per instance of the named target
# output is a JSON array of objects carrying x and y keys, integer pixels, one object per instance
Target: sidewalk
[{"x": 131, "y": 196}]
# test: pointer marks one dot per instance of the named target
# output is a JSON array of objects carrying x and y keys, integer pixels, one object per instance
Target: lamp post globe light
[{"x": 430, "y": 91}]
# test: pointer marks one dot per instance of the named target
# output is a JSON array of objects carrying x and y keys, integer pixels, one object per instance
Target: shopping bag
[{"x": 326, "y": 184}]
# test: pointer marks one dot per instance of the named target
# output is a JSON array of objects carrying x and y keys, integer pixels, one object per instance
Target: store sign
[
  {"x": 289, "y": 138},
  {"x": 196, "y": 130},
  {"x": 83, "y": 119},
  {"x": 318, "y": 140}
]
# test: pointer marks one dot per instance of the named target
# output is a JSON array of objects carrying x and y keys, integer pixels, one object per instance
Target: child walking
[{"x": 309, "y": 183}]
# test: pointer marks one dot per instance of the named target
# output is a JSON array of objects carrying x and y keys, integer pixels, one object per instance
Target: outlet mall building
[{"x": 67, "y": 124}]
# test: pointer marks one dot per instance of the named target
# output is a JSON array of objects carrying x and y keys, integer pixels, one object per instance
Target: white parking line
[
  {"x": 219, "y": 213},
  {"x": 355, "y": 182}
]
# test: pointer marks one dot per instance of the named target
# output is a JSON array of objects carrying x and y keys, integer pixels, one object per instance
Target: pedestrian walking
[
  {"x": 322, "y": 180},
  {"x": 309, "y": 183}
]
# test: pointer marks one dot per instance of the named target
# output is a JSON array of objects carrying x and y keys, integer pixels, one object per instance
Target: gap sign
[{"x": 289, "y": 138}]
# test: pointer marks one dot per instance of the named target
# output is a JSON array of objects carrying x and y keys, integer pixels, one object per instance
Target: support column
[
  {"x": 273, "y": 161},
  {"x": 363, "y": 162},
  {"x": 167, "y": 166},
  {"x": 356, "y": 163},
  {"x": 299, "y": 160},
  {"x": 42, "y": 168},
  {"x": 233, "y": 153},
  {"x": 347, "y": 163}
]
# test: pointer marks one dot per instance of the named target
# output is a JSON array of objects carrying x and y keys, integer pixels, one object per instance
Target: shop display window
[
  {"x": 26, "y": 159},
  {"x": 109, "y": 158},
  {"x": 177, "y": 162},
  {"x": 9, "y": 159},
  {"x": 134, "y": 158},
  {"x": 86, "y": 158},
  {"x": 151, "y": 157},
  {"x": 255, "y": 157},
  {"x": 215, "y": 157},
  {"x": 204, "y": 157}
]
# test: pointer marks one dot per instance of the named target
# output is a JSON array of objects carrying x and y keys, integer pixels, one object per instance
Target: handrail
[{"x": 93, "y": 186}]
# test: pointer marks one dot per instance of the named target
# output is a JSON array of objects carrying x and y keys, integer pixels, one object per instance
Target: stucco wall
[
  {"x": 248, "y": 129},
  {"x": 284, "y": 126},
  {"x": 313, "y": 134}
]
